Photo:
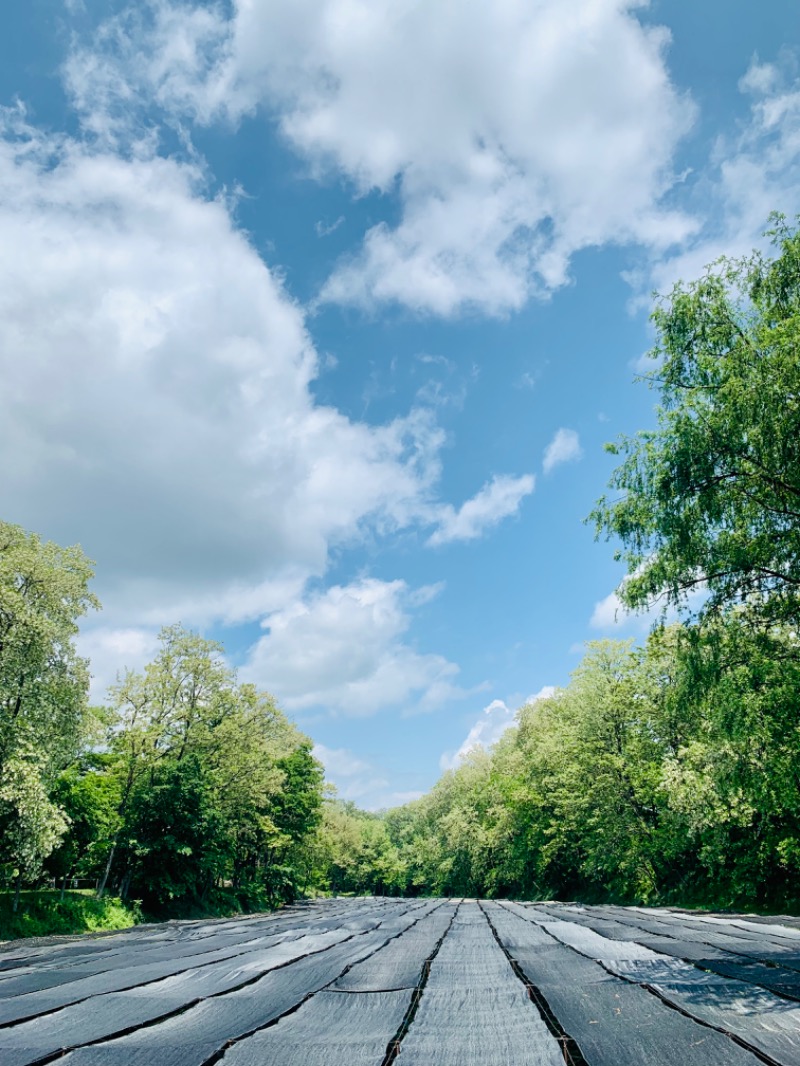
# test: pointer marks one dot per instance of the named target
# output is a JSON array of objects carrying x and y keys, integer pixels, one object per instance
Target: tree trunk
[{"x": 104, "y": 879}]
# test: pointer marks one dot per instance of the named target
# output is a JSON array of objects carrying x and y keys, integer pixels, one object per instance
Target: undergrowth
[{"x": 46, "y": 914}]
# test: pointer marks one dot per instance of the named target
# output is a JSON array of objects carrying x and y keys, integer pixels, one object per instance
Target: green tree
[
  {"x": 176, "y": 834},
  {"x": 361, "y": 855},
  {"x": 88, "y": 793},
  {"x": 44, "y": 589},
  {"x": 596, "y": 753},
  {"x": 733, "y": 782},
  {"x": 44, "y": 714},
  {"x": 164, "y": 712},
  {"x": 710, "y": 500},
  {"x": 33, "y": 823},
  {"x": 229, "y": 782}
]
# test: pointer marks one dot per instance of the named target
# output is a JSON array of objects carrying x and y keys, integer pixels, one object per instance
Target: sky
[{"x": 315, "y": 316}]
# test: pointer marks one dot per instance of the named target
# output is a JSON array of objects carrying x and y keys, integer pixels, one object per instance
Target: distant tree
[
  {"x": 361, "y": 856},
  {"x": 710, "y": 500}
]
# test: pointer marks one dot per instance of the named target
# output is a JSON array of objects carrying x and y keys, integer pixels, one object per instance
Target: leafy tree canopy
[{"x": 710, "y": 500}]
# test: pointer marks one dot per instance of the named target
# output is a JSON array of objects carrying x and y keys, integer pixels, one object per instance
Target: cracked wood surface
[{"x": 355, "y": 982}]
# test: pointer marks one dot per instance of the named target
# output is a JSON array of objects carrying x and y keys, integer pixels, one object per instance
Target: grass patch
[{"x": 46, "y": 914}]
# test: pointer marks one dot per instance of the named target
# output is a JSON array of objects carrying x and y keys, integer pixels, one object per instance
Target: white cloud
[
  {"x": 495, "y": 719},
  {"x": 565, "y": 447},
  {"x": 513, "y": 134},
  {"x": 609, "y": 613},
  {"x": 325, "y": 229},
  {"x": 544, "y": 693},
  {"x": 339, "y": 762},
  {"x": 113, "y": 651},
  {"x": 354, "y": 778},
  {"x": 399, "y": 798},
  {"x": 344, "y": 650},
  {"x": 360, "y": 781},
  {"x": 750, "y": 174},
  {"x": 497, "y": 500},
  {"x": 157, "y": 377},
  {"x": 157, "y": 402}
]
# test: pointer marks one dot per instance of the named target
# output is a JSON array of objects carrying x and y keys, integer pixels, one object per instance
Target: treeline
[
  {"x": 669, "y": 772},
  {"x": 186, "y": 789}
]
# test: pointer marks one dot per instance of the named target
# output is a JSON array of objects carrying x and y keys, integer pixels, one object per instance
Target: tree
[
  {"x": 33, "y": 824},
  {"x": 176, "y": 834},
  {"x": 88, "y": 793},
  {"x": 710, "y": 500},
  {"x": 596, "y": 752},
  {"x": 215, "y": 786},
  {"x": 733, "y": 782},
  {"x": 44, "y": 589},
  {"x": 360, "y": 854},
  {"x": 44, "y": 714},
  {"x": 164, "y": 712}
]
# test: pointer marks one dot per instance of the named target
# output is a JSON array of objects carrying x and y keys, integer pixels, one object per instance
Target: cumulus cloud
[
  {"x": 497, "y": 500},
  {"x": 339, "y": 762},
  {"x": 513, "y": 134},
  {"x": 495, "y": 719},
  {"x": 344, "y": 650},
  {"x": 610, "y": 613},
  {"x": 565, "y": 447},
  {"x": 157, "y": 376}
]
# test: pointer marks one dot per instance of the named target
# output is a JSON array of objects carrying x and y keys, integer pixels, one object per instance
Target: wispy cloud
[
  {"x": 497, "y": 500},
  {"x": 325, "y": 229},
  {"x": 565, "y": 447},
  {"x": 750, "y": 173},
  {"x": 493, "y": 722}
]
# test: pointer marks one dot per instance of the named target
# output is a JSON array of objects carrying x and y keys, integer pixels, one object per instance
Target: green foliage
[
  {"x": 189, "y": 791},
  {"x": 710, "y": 500},
  {"x": 666, "y": 773},
  {"x": 217, "y": 790},
  {"x": 355, "y": 853},
  {"x": 88, "y": 794},
  {"x": 176, "y": 833},
  {"x": 33, "y": 823},
  {"x": 47, "y": 914},
  {"x": 44, "y": 717}
]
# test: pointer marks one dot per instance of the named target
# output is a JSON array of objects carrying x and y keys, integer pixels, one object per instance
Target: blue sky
[{"x": 316, "y": 315}]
